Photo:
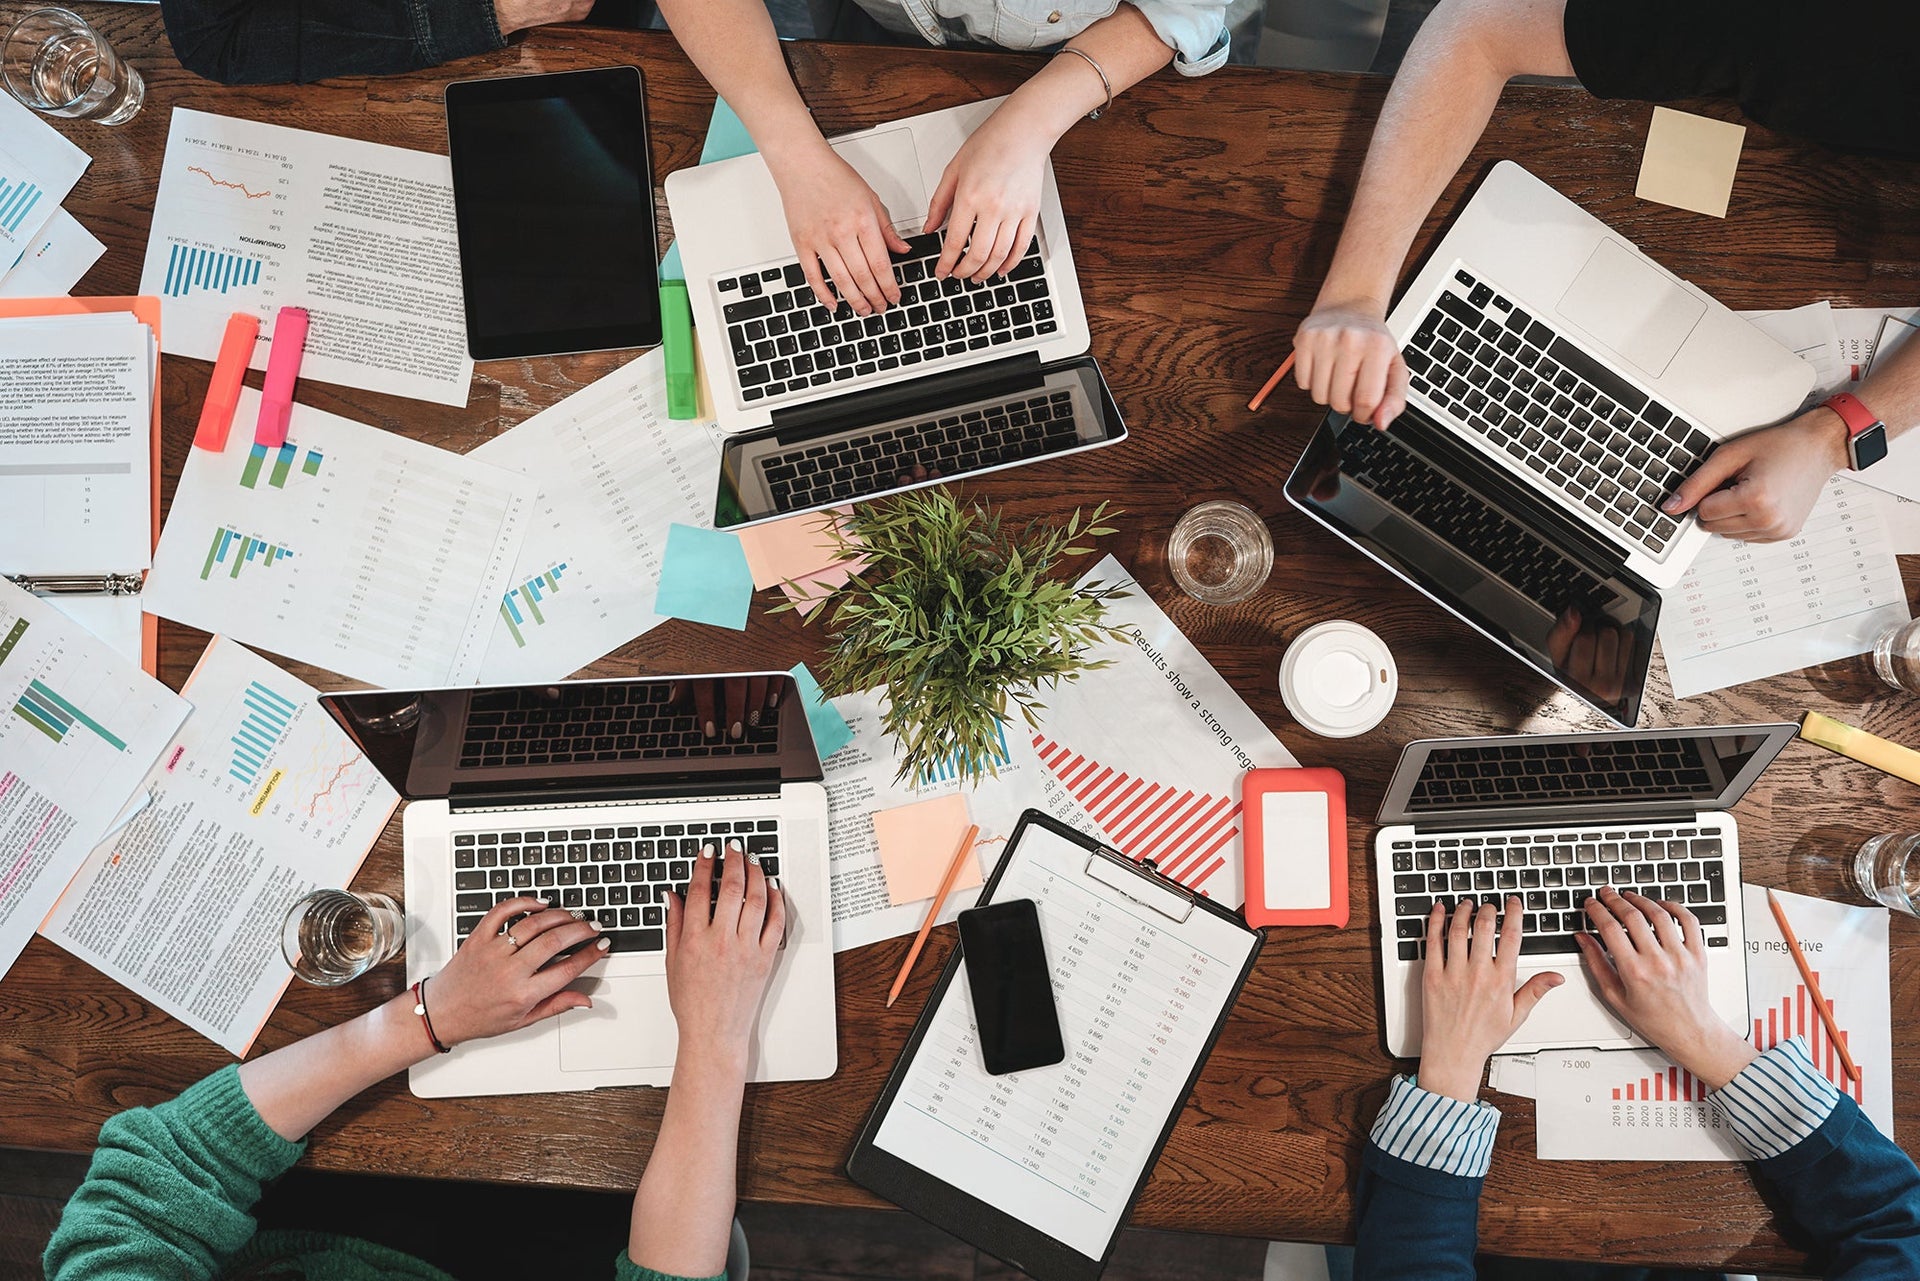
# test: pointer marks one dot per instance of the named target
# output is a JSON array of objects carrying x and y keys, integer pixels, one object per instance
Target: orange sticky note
[
  {"x": 799, "y": 547},
  {"x": 917, "y": 842}
]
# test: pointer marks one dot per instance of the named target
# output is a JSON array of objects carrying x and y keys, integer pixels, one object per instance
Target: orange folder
[{"x": 147, "y": 310}]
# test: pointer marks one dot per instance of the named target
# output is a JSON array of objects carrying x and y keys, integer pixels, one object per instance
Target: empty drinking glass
[
  {"x": 334, "y": 936},
  {"x": 1887, "y": 872},
  {"x": 1896, "y": 656},
  {"x": 56, "y": 63},
  {"x": 1220, "y": 552}
]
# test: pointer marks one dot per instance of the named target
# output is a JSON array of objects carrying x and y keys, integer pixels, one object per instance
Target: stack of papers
[{"x": 43, "y": 250}]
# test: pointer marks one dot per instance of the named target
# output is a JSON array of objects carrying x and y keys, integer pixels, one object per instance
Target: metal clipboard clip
[{"x": 1141, "y": 882}]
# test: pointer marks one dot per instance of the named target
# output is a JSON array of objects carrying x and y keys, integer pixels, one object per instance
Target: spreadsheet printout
[{"x": 1139, "y": 993}]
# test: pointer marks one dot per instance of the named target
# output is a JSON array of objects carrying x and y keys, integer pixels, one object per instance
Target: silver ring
[{"x": 508, "y": 931}]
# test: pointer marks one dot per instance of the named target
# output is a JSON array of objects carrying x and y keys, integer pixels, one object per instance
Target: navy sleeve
[
  {"x": 1854, "y": 1194},
  {"x": 294, "y": 41},
  {"x": 1414, "y": 1222}
]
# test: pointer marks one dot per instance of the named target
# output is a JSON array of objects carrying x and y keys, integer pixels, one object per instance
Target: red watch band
[{"x": 1855, "y": 415}]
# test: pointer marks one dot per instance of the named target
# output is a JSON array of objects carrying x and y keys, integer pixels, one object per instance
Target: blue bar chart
[
  {"x": 190, "y": 268},
  {"x": 18, "y": 196},
  {"x": 520, "y": 606},
  {"x": 43, "y": 708},
  {"x": 244, "y": 549},
  {"x": 261, "y": 730},
  {"x": 955, "y": 764}
]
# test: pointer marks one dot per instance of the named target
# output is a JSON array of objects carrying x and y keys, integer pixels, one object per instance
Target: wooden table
[{"x": 1203, "y": 215}]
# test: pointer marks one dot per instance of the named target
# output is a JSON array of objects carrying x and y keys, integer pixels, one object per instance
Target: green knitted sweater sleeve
[
  {"x": 170, "y": 1189},
  {"x": 625, "y": 1269}
]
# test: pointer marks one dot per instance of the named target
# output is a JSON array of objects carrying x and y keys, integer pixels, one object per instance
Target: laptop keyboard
[
  {"x": 1021, "y": 428},
  {"x": 1555, "y": 873},
  {"x": 1387, "y": 468},
  {"x": 597, "y": 723},
  {"x": 1561, "y": 414},
  {"x": 1584, "y": 770},
  {"x": 783, "y": 342},
  {"x": 619, "y": 876}
]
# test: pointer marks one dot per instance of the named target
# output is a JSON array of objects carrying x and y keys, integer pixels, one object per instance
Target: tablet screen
[{"x": 553, "y": 195}]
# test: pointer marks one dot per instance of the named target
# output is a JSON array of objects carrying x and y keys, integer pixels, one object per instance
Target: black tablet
[{"x": 553, "y": 197}]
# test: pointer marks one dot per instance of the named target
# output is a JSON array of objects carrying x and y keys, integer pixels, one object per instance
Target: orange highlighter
[{"x": 223, "y": 393}]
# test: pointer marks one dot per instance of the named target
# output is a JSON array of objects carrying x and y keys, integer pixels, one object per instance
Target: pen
[
  {"x": 1260, "y": 397},
  {"x": 283, "y": 368},
  {"x": 1834, "y": 1038},
  {"x": 933, "y": 910},
  {"x": 223, "y": 393},
  {"x": 1868, "y": 749}
]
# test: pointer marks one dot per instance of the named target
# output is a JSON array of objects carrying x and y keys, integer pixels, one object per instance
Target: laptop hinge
[
  {"x": 763, "y": 788},
  {"x": 930, "y": 392},
  {"x": 1636, "y": 817}
]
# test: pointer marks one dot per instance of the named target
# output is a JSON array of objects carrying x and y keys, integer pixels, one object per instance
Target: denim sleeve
[
  {"x": 1197, "y": 33},
  {"x": 295, "y": 41},
  {"x": 1418, "y": 1203}
]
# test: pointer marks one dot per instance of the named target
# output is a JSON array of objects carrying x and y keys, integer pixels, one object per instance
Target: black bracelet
[{"x": 420, "y": 1008}]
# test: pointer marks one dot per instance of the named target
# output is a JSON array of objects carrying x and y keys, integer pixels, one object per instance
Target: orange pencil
[
  {"x": 933, "y": 910},
  {"x": 1260, "y": 397},
  {"x": 1813, "y": 988}
]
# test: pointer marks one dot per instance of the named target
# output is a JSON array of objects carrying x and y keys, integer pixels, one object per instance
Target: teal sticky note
[
  {"x": 726, "y": 138},
  {"x": 830, "y": 729},
  {"x": 704, "y": 578}
]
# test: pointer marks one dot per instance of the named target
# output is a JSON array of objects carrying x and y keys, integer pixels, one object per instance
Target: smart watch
[{"x": 1866, "y": 434}]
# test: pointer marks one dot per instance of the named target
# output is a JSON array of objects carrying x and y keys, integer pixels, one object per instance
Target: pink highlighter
[{"x": 283, "y": 369}]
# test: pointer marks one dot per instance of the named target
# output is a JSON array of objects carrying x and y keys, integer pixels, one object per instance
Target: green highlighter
[{"x": 676, "y": 340}]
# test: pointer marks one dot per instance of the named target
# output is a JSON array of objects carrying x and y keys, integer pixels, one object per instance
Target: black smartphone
[
  {"x": 553, "y": 199},
  {"x": 1012, "y": 989}
]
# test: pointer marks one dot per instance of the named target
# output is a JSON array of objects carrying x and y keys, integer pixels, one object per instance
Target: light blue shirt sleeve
[
  {"x": 1436, "y": 1132},
  {"x": 1778, "y": 1101},
  {"x": 1197, "y": 33}
]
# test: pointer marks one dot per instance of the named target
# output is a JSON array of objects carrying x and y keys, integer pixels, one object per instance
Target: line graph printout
[
  {"x": 399, "y": 552},
  {"x": 613, "y": 472},
  {"x": 251, "y": 217},
  {"x": 79, "y": 725},
  {"x": 258, "y": 799}
]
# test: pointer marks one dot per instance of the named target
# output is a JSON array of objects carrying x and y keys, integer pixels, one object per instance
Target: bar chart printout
[
  {"x": 520, "y": 606},
  {"x": 1626, "y": 1105},
  {"x": 261, "y": 730},
  {"x": 281, "y": 467},
  {"x": 235, "y": 551}
]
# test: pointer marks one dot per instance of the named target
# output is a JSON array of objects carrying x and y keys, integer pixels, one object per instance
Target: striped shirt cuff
[
  {"x": 1436, "y": 1132},
  {"x": 1778, "y": 1101}
]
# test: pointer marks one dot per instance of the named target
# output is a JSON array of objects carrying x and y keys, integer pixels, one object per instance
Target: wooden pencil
[
  {"x": 933, "y": 910},
  {"x": 1813, "y": 988}
]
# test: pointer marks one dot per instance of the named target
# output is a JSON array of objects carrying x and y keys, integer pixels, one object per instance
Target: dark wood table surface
[{"x": 1203, "y": 214}]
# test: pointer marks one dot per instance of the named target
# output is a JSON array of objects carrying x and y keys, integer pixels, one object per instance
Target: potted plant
[{"x": 962, "y": 616}]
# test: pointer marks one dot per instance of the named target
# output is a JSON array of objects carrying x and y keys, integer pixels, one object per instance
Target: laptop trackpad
[
  {"x": 891, "y": 166},
  {"x": 1631, "y": 307},
  {"x": 629, "y": 1026}
]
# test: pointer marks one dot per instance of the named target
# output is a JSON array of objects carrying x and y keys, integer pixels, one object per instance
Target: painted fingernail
[
  {"x": 597, "y": 927},
  {"x": 706, "y": 851},
  {"x": 753, "y": 718},
  {"x": 604, "y": 944},
  {"x": 712, "y": 729},
  {"x": 739, "y": 731}
]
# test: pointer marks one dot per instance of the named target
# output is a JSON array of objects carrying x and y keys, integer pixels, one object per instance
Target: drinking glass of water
[
  {"x": 334, "y": 936},
  {"x": 1886, "y": 871},
  {"x": 55, "y": 63},
  {"x": 1220, "y": 552}
]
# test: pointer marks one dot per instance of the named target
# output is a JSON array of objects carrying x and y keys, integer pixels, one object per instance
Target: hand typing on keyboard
[
  {"x": 1650, "y": 961},
  {"x": 513, "y": 970},
  {"x": 1759, "y": 487},
  {"x": 989, "y": 198},
  {"x": 1471, "y": 994},
  {"x": 722, "y": 941},
  {"x": 1346, "y": 360},
  {"x": 838, "y": 225},
  {"x": 727, "y": 707}
]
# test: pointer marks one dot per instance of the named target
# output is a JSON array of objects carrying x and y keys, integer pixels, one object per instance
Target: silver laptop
[
  {"x": 598, "y": 795},
  {"x": 1551, "y": 818},
  {"x": 1592, "y": 374}
]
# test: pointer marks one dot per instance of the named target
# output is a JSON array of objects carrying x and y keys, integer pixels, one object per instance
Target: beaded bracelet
[{"x": 420, "y": 1008}]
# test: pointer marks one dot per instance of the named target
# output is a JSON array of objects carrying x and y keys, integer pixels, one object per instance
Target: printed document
[
  {"x": 38, "y": 168},
  {"x": 613, "y": 472},
  {"x": 348, "y": 547},
  {"x": 254, "y": 217},
  {"x": 259, "y": 799},
  {"x": 51, "y": 264},
  {"x": 80, "y": 728},
  {"x": 1750, "y": 610}
]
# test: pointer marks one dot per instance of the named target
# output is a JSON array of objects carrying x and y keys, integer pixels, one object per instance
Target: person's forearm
[
  {"x": 1440, "y": 103},
  {"x": 683, "y": 1210},
  {"x": 1064, "y": 90},
  {"x": 734, "y": 45},
  {"x": 297, "y": 1087}
]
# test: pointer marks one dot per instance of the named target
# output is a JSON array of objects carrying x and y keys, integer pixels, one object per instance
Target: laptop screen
[
  {"x": 576, "y": 739},
  {"x": 1549, "y": 775}
]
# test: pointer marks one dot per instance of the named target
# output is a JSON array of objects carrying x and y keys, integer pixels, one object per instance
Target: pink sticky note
[
  {"x": 795, "y": 548},
  {"x": 917, "y": 842}
]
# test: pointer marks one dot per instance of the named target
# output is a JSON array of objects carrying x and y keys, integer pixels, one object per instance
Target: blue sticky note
[
  {"x": 704, "y": 578},
  {"x": 830, "y": 729},
  {"x": 726, "y": 138}
]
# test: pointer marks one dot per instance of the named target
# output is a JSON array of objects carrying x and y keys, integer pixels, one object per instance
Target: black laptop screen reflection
[{"x": 1599, "y": 769}]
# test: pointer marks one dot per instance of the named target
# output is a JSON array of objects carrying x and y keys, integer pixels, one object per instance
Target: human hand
[
  {"x": 989, "y": 197},
  {"x": 1760, "y": 486},
  {"x": 1471, "y": 1003},
  {"x": 515, "y": 15},
  {"x": 1595, "y": 656},
  {"x": 1650, "y": 962},
  {"x": 724, "y": 706},
  {"x": 722, "y": 941},
  {"x": 505, "y": 976},
  {"x": 838, "y": 224},
  {"x": 1346, "y": 360}
]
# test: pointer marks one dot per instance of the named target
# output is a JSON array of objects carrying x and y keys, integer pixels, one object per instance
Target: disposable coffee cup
[{"x": 1339, "y": 679}]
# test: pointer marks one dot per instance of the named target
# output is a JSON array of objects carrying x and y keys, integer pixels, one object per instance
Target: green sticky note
[
  {"x": 704, "y": 578},
  {"x": 830, "y": 729},
  {"x": 726, "y": 138}
]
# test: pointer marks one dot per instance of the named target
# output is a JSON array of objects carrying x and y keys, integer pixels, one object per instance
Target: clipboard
[
  {"x": 146, "y": 309},
  {"x": 1014, "y": 1165}
]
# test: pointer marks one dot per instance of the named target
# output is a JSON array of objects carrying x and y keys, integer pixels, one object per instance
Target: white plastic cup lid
[{"x": 1339, "y": 679}]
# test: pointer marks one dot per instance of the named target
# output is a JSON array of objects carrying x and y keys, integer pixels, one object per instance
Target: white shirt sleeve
[
  {"x": 1197, "y": 33},
  {"x": 1435, "y": 1131}
]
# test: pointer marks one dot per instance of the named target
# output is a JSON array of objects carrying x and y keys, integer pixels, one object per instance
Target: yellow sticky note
[
  {"x": 917, "y": 842},
  {"x": 1690, "y": 161},
  {"x": 795, "y": 548}
]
